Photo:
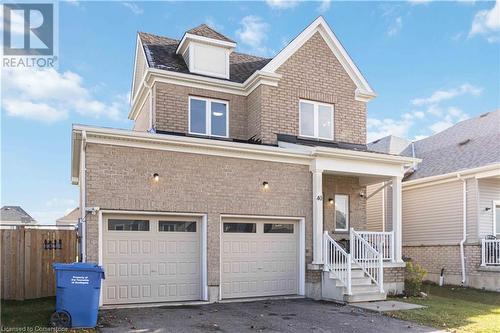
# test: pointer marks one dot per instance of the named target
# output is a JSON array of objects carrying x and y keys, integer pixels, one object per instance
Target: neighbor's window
[
  {"x": 128, "y": 225},
  {"x": 341, "y": 212},
  {"x": 316, "y": 120},
  {"x": 497, "y": 218},
  {"x": 240, "y": 227},
  {"x": 176, "y": 226},
  {"x": 208, "y": 117}
]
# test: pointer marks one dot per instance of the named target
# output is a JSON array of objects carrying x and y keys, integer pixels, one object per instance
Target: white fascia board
[
  {"x": 187, "y": 37},
  {"x": 348, "y": 166},
  {"x": 365, "y": 155},
  {"x": 365, "y": 92},
  {"x": 154, "y": 75},
  {"x": 479, "y": 172},
  {"x": 140, "y": 47}
]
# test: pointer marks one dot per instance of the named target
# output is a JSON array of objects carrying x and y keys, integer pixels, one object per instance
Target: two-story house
[{"x": 243, "y": 177}]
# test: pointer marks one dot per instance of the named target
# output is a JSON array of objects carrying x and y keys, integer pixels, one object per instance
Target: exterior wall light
[
  {"x": 156, "y": 177},
  {"x": 330, "y": 201},
  {"x": 265, "y": 185}
]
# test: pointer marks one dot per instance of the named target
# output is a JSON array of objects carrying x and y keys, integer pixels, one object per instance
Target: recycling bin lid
[{"x": 78, "y": 266}]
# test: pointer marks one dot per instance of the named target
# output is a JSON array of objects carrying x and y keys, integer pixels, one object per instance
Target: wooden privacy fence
[{"x": 27, "y": 255}]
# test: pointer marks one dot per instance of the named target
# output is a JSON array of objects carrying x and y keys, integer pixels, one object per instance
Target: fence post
[
  {"x": 381, "y": 270},
  {"x": 349, "y": 289}
]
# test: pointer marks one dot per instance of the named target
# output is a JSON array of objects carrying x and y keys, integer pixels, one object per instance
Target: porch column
[
  {"x": 397, "y": 203},
  {"x": 317, "y": 191}
]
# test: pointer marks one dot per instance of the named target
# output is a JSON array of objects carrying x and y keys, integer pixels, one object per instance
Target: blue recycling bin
[{"x": 78, "y": 286}]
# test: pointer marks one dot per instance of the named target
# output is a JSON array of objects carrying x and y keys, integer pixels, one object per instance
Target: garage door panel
[
  {"x": 151, "y": 266},
  {"x": 258, "y": 263}
]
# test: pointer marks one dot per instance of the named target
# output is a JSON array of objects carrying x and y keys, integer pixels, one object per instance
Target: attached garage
[
  {"x": 152, "y": 258},
  {"x": 260, "y": 257}
]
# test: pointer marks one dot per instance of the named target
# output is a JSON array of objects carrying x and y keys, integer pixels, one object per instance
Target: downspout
[
  {"x": 464, "y": 227},
  {"x": 83, "y": 239}
]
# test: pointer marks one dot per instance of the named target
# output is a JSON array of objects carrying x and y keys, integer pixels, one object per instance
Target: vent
[
  {"x": 463, "y": 143},
  {"x": 484, "y": 115}
]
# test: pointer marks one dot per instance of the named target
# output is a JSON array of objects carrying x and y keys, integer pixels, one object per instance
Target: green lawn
[
  {"x": 29, "y": 313},
  {"x": 455, "y": 309}
]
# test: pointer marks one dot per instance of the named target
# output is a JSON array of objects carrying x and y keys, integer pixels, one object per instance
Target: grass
[
  {"x": 31, "y": 315},
  {"x": 455, "y": 309}
]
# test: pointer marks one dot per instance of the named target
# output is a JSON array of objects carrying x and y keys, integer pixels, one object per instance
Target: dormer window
[
  {"x": 208, "y": 117},
  {"x": 315, "y": 120},
  {"x": 206, "y": 51}
]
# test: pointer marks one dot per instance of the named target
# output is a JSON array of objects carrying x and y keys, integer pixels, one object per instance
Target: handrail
[
  {"x": 381, "y": 241},
  {"x": 337, "y": 261},
  {"x": 368, "y": 258}
]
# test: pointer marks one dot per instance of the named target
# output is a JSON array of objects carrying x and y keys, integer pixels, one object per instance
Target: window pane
[
  {"x": 177, "y": 226},
  {"x": 198, "y": 120},
  {"x": 277, "y": 228},
  {"x": 306, "y": 119},
  {"x": 325, "y": 122},
  {"x": 239, "y": 227},
  {"x": 128, "y": 225},
  {"x": 341, "y": 212},
  {"x": 219, "y": 118}
]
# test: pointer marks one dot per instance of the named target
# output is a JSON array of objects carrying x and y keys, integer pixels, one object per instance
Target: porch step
[
  {"x": 358, "y": 281},
  {"x": 365, "y": 297},
  {"x": 361, "y": 289}
]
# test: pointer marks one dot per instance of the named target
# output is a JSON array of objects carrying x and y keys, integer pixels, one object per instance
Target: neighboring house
[
  {"x": 239, "y": 175},
  {"x": 70, "y": 219},
  {"x": 15, "y": 215},
  {"x": 451, "y": 202}
]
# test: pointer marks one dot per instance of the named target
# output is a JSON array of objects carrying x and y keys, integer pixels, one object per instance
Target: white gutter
[
  {"x": 464, "y": 226},
  {"x": 83, "y": 235}
]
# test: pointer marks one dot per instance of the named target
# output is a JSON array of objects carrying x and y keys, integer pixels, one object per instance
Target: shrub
[{"x": 414, "y": 276}]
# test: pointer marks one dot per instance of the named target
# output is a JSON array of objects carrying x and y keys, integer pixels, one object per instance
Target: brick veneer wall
[
  {"x": 119, "y": 178},
  {"x": 172, "y": 107},
  {"x": 394, "y": 274},
  {"x": 357, "y": 206},
  {"x": 435, "y": 257},
  {"x": 314, "y": 73}
]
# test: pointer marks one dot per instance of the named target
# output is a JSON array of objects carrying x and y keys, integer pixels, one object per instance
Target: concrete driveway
[{"x": 299, "y": 315}]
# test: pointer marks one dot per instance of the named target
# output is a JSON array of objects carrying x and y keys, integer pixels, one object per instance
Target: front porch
[{"x": 353, "y": 258}]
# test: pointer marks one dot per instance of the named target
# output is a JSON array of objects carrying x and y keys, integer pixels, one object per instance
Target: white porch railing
[
  {"x": 367, "y": 258},
  {"x": 383, "y": 242},
  {"x": 337, "y": 261},
  {"x": 490, "y": 249}
]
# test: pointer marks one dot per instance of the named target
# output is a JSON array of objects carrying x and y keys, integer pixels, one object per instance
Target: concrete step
[
  {"x": 365, "y": 297},
  {"x": 357, "y": 273},
  {"x": 361, "y": 281},
  {"x": 364, "y": 289}
]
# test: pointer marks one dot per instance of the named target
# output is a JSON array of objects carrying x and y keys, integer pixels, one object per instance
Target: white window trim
[
  {"x": 494, "y": 209},
  {"x": 316, "y": 120},
  {"x": 335, "y": 213},
  {"x": 208, "y": 116}
]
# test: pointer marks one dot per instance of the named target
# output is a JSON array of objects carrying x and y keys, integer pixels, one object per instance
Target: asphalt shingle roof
[
  {"x": 15, "y": 214},
  {"x": 468, "y": 144},
  {"x": 160, "y": 54},
  {"x": 205, "y": 31}
]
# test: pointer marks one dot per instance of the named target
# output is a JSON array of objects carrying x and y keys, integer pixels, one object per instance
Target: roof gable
[
  {"x": 363, "y": 90},
  {"x": 204, "y": 30}
]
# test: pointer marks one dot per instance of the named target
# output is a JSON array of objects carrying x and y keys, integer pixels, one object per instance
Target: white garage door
[
  {"x": 259, "y": 258},
  {"x": 151, "y": 259}
]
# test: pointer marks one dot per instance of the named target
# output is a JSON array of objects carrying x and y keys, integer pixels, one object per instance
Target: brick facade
[
  {"x": 312, "y": 72},
  {"x": 357, "y": 206},
  {"x": 435, "y": 257},
  {"x": 172, "y": 107}
]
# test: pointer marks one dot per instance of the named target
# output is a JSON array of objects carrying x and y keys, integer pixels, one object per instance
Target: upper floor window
[
  {"x": 208, "y": 117},
  {"x": 316, "y": 120}
]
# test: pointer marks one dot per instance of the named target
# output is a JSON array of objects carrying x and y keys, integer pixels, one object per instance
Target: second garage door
[{"x": 259, "y": 258}]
